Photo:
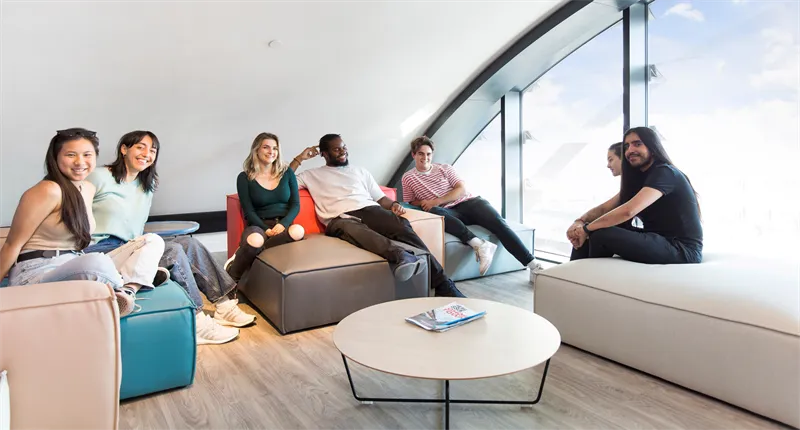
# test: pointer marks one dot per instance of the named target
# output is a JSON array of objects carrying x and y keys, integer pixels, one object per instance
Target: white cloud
[
  {"x": 786, "y": 77},
  {"x": 686, "y": 10},
  {"x": 781, "y": 61}
]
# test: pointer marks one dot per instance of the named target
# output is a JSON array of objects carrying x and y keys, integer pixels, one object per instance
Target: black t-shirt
[{"x": 675, "y": 215}]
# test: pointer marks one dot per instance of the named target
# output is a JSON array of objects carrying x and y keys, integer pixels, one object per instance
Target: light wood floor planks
[{"x": 267, "y": 381}]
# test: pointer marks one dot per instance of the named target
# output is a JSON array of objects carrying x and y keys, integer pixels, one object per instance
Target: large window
[
  {"x": 724, "y": 97},
  {"x": 571, "y": 115},
  {"x": 481, "y": 166}
]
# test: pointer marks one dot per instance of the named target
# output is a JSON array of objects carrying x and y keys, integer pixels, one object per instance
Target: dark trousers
[
  {"x": 246, "y": 253},
  {"x": 638, "y": 246},
  {"x": 480, "y": 212},
  {"x": 373, "y": 230}
]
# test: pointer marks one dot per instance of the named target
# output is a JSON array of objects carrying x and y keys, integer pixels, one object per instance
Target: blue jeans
[
  {"x": 106, "y": 245},
  {"x": 66, "y": 267},
  {"x": 193, "y": 267}
]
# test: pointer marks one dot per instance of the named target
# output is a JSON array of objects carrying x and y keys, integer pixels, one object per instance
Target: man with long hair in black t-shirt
[{"x": 653, "y": 189}]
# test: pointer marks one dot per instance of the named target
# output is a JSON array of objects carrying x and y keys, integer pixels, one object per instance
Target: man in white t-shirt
[
  {"x": 354, "y": 208},
  {"x": 438, "y": 189}
]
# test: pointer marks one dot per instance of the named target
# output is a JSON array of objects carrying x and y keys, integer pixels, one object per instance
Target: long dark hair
[
  {"x": 73, "y": 208},
  {"x": 632, "y": 177},
  {"x": 148, "y": 177}
]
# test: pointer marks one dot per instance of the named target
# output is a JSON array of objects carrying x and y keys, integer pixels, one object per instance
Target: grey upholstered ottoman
[
  {"x": 320, "y": 280},
  {"x": 460, "y": 262}
]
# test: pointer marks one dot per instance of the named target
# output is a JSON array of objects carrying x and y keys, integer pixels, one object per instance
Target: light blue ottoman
[
  {"x": 460, "y": 260},
  {"x": 158, "y": 342}
]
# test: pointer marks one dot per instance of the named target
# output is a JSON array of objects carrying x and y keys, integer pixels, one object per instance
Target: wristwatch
[{"x": 586, "y": 229}]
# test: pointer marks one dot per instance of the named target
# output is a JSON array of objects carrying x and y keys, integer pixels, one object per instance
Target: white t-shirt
[{"x": 337, "y": 190}]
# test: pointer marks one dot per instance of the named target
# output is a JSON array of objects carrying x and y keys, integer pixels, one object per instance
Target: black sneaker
[
  {"x": 407, "y": 267},
  {"x": 448, "y": 290},
  {"x": 162, "y": 275}
]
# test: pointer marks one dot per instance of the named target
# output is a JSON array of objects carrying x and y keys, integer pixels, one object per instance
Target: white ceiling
[{"x": 202, "y": 77}]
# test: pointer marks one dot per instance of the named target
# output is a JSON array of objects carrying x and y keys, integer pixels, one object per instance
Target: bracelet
[{"x": 586, "y": 229}]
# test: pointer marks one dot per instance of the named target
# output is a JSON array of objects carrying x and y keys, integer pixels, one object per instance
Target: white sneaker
[
  {"x": 534, "y": 268},
  {"x": 126, "y": 300},
  {"x": 485, "y": 254},
  {"x": 228, "y": 262},
  {"x": 209, "y": 332},
  {"x": 229, "y": 314}
]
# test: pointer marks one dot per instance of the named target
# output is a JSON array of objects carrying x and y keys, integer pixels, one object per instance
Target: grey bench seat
[{"x": 460, "y": 262}]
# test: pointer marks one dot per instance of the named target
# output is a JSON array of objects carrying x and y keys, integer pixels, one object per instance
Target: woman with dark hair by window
[
  {"x": 614, "y": 158},
  {"x": 122, "y": 204},
  {"x": 54, "y": 220},
  {"x": 270, "y": 201}
]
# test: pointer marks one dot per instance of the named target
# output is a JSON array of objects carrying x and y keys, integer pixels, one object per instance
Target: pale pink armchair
[{"x": 60, "y": 344}]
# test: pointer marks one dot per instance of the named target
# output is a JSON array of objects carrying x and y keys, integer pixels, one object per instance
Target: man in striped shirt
[{"x": 438, "y": 189}]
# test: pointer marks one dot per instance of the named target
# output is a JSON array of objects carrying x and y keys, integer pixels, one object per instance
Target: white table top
[{"x": 505, "y": 340}]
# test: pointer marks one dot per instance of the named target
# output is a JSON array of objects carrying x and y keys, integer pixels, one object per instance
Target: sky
[{"x": 726, "y": 105}]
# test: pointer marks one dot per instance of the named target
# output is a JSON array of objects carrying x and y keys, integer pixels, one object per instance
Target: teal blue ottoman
[{"x": 158, "y": 342}]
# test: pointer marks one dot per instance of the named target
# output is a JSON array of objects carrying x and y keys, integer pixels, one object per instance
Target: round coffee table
[{"x": 506, "y": 340}]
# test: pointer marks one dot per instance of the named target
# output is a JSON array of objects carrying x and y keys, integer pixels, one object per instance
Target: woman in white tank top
[{"x": 54, "y": 221}]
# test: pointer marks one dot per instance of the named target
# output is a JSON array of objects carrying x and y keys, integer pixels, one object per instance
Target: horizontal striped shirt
[{"x": 435, "y": 183}]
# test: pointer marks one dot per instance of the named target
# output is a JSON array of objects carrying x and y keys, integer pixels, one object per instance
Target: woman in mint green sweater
[
  {"x": 121, "y": 206},
  {"x": 270, "y": 202}
]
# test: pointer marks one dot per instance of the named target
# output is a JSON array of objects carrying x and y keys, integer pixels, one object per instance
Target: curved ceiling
[
  {"x": 202, "y": 77},
  {"x": 530, "y": 57}
]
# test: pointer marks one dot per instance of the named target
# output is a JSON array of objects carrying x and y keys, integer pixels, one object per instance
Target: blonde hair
[{"x": 252, "y": 167}]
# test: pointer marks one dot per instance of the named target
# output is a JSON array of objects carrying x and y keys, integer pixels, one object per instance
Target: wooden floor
[{"x": 264, "y": 380}]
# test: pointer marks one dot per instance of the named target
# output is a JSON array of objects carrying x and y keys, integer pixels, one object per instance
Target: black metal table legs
[{"x": 447, "y": 400}]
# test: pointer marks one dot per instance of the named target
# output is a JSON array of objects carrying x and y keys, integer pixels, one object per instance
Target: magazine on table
[{"x": 446, "y": 317}]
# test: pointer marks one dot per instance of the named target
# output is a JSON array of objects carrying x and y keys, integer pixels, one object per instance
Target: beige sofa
[
  {"x": 728, "y": 328},
  {"x": 60, "y": 344}
]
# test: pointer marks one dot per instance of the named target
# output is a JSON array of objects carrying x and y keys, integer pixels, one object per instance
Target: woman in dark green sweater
[{"x": 268, "y": 193}]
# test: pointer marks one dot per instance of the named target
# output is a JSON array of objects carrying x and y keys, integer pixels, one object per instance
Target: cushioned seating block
[
  {"x": 158, "y": 342},
  {"x": 320, "y": 280},
  {"x": 460, "y": 262},
  {"x": 728, "y": 327}
]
